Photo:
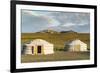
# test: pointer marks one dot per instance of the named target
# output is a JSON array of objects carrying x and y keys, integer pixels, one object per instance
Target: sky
[{"x": 35, "y": 21}]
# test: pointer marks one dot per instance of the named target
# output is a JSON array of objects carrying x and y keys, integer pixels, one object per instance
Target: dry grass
[
  {"x": 57, "y": 56},
  {"x": 57, "y": 39}
]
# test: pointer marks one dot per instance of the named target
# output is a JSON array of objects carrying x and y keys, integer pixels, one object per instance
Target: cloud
[
  {"x": 36, "y": 12},
  {"x": 34, "y": 21},
  {"x": 52, "y": 22},
  {"x": 29, "y": 12},
  {"x": 68, "y": 24},
  {"x": 72, "y": 24}
]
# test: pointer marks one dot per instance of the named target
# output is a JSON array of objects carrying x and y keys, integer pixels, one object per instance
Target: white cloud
[
  {"x": 83, "y": 23},
  {"x": 53, "y": 22},
  {"x": 57, "y": 21},
  {"x": 68, "y": 24},
  {"x": 73, "y": 24},
  {"x": 35, "y": 13},
  {"x": 28, "y": 12}
]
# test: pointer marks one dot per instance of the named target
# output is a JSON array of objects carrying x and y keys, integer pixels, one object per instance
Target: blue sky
[{"x": 35, "y": 21}]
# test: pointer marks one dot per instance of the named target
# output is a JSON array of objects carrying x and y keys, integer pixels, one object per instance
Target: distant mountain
[
  {"x": 70, "y": 31},
  {"x": 53, "y": 31},
  {"x": 48, "y": 31}
]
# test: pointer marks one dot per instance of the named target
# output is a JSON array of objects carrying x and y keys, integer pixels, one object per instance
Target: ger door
[{"x": 39, "y": 49}]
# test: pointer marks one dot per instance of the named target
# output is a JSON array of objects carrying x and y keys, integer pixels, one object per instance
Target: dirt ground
[{"x": 57, "y": 56}]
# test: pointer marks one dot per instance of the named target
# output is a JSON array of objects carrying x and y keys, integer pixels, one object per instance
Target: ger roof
[
  {"x": 73, "y": 42},
  {"x": 39, "y": 41}
]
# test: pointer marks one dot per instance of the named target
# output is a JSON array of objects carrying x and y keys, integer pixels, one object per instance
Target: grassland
[
  {"x": 57, "y": 56},
  {"x": 58, "y": 39}
]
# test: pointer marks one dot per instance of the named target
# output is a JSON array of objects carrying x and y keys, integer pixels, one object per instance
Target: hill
[
  {"x": 70, "y": 31},
  {"x": 57, "y": 38},
  {"x": 47, "y": 31}
]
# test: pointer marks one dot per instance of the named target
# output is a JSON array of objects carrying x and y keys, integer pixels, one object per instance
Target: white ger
[
  {"x": 77, "y": 45},
  {"x": 39, "y": 46}
]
